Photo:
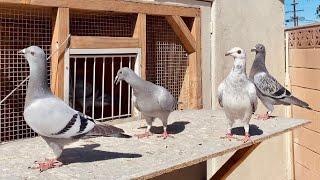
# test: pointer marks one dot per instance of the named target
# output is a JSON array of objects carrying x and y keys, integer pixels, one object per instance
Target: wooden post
[
  {"x": 60, "y": 33},
  {"x": 140, "y": 32},
  {"x": 195, "y": 92}
]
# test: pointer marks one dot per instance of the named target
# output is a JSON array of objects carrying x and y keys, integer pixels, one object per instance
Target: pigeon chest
[{"x": 235, "y": 98}]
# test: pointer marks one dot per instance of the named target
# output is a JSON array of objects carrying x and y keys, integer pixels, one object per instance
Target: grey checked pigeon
[
  {"x": 56, "y": 122},
  {"x": 269, "y": 90},
  {"x": 237, "y": 94},
  {"x": 152, "y": 101}
]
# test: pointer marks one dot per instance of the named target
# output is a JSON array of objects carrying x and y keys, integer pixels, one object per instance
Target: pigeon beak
[
  {"x": 228, "y": 53},
  {"x": 253, "y": 50},
  {"x": 22, "y": 52},
  {"x": 116, "y": 80}
]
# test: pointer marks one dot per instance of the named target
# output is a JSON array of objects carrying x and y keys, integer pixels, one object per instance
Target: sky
[{"x": 309, "y": 9}]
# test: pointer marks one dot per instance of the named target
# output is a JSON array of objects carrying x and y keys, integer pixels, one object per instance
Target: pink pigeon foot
[
  {"x": 165, "y": 135},
  {"x": 144, "y": 135},
  {"x": 47, "y": 164},
  {"x": 246, "y": 138},
  {"x": 229, "y": 136},
  {"x": 263, "y": 117}
]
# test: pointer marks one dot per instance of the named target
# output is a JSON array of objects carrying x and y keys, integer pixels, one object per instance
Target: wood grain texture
[
  {"x": 182, "y": 31},
  {"x": 309, "y": 78},
  {"x": 310, "y": 96},
  {"x": 308, "y": 58},
  {"x": 307, "y": 138},
  {"x": 313, "y": 116},
  {"x": 307, "y": 158},
  {"x": 116, "y": 6},
  {"x": 140, "y": 32},
  {"x": 60, "y": 33},
  {"x": 302, "y": 173},
  {"x": 98, "y": 42}
]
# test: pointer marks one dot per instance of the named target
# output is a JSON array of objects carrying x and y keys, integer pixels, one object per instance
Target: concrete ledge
[{"x": 196, "y": 139}]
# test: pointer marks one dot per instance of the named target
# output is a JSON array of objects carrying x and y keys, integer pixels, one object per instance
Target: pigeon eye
[
  {"x": 239, "y": 51},
  {"x": 32, "y": 53}
]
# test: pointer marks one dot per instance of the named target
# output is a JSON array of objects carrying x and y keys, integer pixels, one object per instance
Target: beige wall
[{"x": 244, "y": 23}]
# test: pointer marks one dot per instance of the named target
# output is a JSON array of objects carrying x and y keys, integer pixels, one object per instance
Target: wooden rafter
[
  {"x": 60, "y": 33},
  {"x": 183, "y": 33},
  {"x": 140, "y": 32},
  {"x": 98, "y": 42},
  {"x": 115, "y": 5}
]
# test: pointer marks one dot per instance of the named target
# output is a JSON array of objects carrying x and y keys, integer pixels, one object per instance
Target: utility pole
[{"x": 295, "y": 18}]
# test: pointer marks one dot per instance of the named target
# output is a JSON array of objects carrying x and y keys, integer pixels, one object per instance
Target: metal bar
[
  {"x": 111, "y": 51},
  {"x": 101, "y": 56},
  {"x": 129, "y": 94},
  {"x": 112, "y": 85},
  {"x": 84, "y": 86},
  {"x": 74, "y": 83},
  {"x": 120, "y": 89},
  {"x": 103, "y": 76},
  {"x": 94, "y": 86},
  {"x": 113, "y": 117}
]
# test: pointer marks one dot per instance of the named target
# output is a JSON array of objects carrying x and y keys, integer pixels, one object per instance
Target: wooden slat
[
  {"x": 302, "y": 173},
  {"x": 98, "y": 42},
  {"x": 308, "y": 58},
  {"x": 140, "y": 32},
  {"x": 60, "y": 33},
  {"x": 195, "y": 92},
  {"x": 305, "y": 77},
  {"x": 307, "y": 158},
  {"x": 116, "y": 6},
  {"x": 183, "y": 33},
  {"x": 313, "y": 116},
  {"x": 308, "y": 95},
  {"x": 307, "y": 138}
]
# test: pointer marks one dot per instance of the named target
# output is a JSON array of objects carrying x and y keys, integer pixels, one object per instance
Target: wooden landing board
[{"x": 196, "y": 139}]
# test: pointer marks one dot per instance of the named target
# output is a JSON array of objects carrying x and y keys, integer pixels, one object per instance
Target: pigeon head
[
  {"x": 259, "y": 48},
  {"x": 236, "y": 52},
  {"x": 123, "y": 74},
  {"x": 34, "y": 55}
]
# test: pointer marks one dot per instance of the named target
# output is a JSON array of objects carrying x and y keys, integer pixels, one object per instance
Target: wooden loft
[{"x": 190, "y": 39}]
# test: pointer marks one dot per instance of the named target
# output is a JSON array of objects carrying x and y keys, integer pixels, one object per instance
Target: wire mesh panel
[
  {"x": 19, "y": 28},
  {"x": 92, "y": 89},
  {"x": 101, "y": 23},
  {"x": 167, "y": 60}
]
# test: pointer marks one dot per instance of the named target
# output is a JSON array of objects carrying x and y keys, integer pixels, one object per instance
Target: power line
[{"x": 295, "y": 18}]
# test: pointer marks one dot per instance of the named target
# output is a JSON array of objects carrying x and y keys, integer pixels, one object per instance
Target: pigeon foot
[
  {"x": 144, "y": 135},
  {"x": 47, "y": 164},
  {"x": 246, "y": 138},
  {"x": 263, "y": 117},
  {"x": 165, "y": 135}
]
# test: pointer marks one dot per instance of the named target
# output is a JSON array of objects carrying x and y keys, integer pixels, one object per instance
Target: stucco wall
[{"x": 244, "y": 23}]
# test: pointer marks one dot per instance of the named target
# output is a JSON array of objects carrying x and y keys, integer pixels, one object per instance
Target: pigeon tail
[
  {"x": 295, "y": 101},
  {"x": 107, "y": 130}
]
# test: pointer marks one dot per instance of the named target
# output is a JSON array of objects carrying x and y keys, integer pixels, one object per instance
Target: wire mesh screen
[
  {"x": 19, "y": 28},
  {"x": 167, "y": 60},
  {"x": 101, "y": 23},
  {"x": 92, "y": 89}
]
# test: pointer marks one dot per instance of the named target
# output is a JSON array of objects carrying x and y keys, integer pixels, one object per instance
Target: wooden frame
[{"x": 95, "y": 42}]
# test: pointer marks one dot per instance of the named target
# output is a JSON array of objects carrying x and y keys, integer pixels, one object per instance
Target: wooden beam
[
  {"x": 195, "y": 90},
  {"x": 98, "y": 42},
  {"x": 116, "y": 6},
  {"x": 183, "y": 33},
  {"x": 140, "y": 32},
  {"x": 233, "y": 162},
  {"x": 60, "y": 33}
]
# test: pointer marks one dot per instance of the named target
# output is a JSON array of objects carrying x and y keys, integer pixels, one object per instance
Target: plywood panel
[
  {"x": 308, "y": 58},
  {"x": 313, "y": 116},
  {"x": 305, "y": 77},
  {"x": 302, "y": 173},
  {"x": 310, "y": 96},
  {"x": 307, "y": 158},
  {"x": 97, "y": 42},
  {"x": 307, "y": 138}
]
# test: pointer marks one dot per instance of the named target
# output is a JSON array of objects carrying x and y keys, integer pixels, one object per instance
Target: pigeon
[
  {"x": 237, "y": 94},
  {"x": 269, "y": 90},
  {"x": 151, "y": 100},
  {"x": 56, "y": 122}
]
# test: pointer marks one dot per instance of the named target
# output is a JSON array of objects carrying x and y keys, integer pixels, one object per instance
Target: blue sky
[{"x": 309, "y": 7}]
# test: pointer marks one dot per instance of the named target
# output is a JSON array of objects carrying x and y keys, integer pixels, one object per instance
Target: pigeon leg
[
  {"x": 47, "y": 164},
  {"x": 165, "y": 133},
  {"x": 147, "y": 133},
  {"x": 229, "y": 134},
  {"x": 247, "y": 135}
]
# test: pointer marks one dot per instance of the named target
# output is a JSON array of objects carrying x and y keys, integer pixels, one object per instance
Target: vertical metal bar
[
  {"x": 84, "y": 85},
  {"x": 103, "y": 76},
  {"x": 129, "y": 95},
  {"x": 94, "y": 86},
  {"x": 120, "y": 89},
  {"x": 74, "y": 82},
  {"x": 112, "y": 89}
]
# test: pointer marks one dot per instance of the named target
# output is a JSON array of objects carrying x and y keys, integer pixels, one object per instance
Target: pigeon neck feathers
[
  {"x": 239, "y": 66},
  {"x": 38, "y": 82},
  {"x": 259, "y": 62}
]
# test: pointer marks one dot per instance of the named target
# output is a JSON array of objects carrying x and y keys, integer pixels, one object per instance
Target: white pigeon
[
  {"x": 56, "y": 122},
  {"x": 237, "y": 94},
  {"x": 151, "y": 100}
]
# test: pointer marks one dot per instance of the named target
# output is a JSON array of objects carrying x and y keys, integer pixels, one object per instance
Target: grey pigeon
[
  {"x": 56, "y": 122},
  {"x": 151, "y": 100},
  {"x": 237, "y": 94},
  {"x": 269, "y": 90}
]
